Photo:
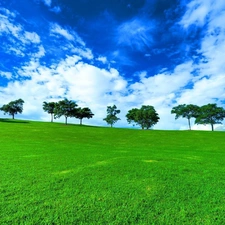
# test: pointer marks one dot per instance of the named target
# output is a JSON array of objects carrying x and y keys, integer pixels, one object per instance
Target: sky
[{"x": 104, "y": 52}]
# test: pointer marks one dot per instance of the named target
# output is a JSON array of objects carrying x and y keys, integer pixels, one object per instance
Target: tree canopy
[
  {"x": 186, "y": 111},
  {"x": 146, "y": 116},
  {"x": 66, "y": 108},
  {"x": 210, "y": 114},
  {"x": 83, "y": 113},
  {"x": 49, "y": 107},
  {"x": 111, "y": 117},
  {"x": 13, "y": 107}
]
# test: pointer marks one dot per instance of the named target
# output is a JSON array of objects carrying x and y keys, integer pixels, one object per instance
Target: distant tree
[
  {"x": 83, "y": 113},
  {"x": 111, "y": 117},
  {"x": 210, "y": 114},
  {"x": 49, "y": 108},
  {"x": 146, "y": 116},
  {"x": 66, "y": 108},
  {"x": 13, "y": 107},
  {"x": 186, "y": 111}
]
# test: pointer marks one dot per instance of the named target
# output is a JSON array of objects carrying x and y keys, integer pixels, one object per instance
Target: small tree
[
  {"x": 83, "y": 113},
  {"x": 13, "y": 107},
  {"x": 146, "y": 116},
  {"x": 111, "y": 117},
  {"x": 49, "y": 108},
  {"x": 66, "y": 108},
  {"x": 186, "y": 111},
  {"x": 210, "y": 114}
]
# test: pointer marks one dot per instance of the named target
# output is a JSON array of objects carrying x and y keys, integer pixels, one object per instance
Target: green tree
[
  {"x": 111, "y": 117},
  {"x": 83, "y": 113},
  {"x": 13, "y": 107},
  {"x": 49, "y": 108},
  {"x": 66, "y": 108},
  {"x": 146, "y": 116},
  {"x": 210, "y": 114},
  {"x": 186, "y": 111}
]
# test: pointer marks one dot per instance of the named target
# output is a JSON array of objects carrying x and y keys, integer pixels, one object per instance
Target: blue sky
[{"x": 124, "y": 52}]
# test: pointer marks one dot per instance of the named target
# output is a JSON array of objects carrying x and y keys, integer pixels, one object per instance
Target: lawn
[{"x": 51, "y": 173}]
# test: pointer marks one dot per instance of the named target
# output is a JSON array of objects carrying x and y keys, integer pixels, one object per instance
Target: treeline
[{"x": 145, "y": 117}]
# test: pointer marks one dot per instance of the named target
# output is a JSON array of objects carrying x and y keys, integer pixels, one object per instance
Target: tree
[
  {"x": 66, "y": 108},
  {"x": 146, "y": 116},
  {"x": 186, "y": 111},
  {"x": 83, "y": 113},
  {"x": 210, "y": 114},
  {"x": 111, "y": 117},
  {"x": 13, "y": 107},
  {"x": 49, "y": 108}
]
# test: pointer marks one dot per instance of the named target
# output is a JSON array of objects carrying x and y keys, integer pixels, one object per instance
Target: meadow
[{"x": 51, "y": 173}]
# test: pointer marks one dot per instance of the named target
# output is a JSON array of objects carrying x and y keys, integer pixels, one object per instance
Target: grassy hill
[{"x": 51, "y": 173}]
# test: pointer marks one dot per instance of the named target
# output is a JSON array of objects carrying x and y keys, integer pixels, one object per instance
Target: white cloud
[
  {"x": 56, "y": 29},
  {"x": 56, "y": 9},
  {"x": 18, "y": 39},
  {"x": 135, "y": 33},
  {"x": 8, "y": 27},
  {"x": 7, "y": 75},
  {"x": 32, "y": 37},
  {"x": 47, "y": 2},
  {"x": 102, "y": 59},
  {"x": 196, "y": 13},
  {"x": 165, "y": 83},
  {"x": 14, "y": 50},
  {"x": 209, "y": 84},
  {"x": 40, "y": 53},
  {"x": 91, "y": 86},
  {"x": 69, "y": 34},
  {"x": 83, "y": 52},
  {"x": 6, "y": 13}
]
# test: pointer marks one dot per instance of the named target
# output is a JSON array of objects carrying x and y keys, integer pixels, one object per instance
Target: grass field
[{"x": 56, "y": 174}]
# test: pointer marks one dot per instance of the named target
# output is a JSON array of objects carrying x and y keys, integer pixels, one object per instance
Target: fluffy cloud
[
  {"x": 87, "y": 84},
  {"x": 196, "y": 13}
]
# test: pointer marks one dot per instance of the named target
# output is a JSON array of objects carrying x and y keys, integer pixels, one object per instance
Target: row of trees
[
  {"x": 206, "y": 114},
  {"x": 67, "y": 108},
  {"x": 146, "y": 116}
]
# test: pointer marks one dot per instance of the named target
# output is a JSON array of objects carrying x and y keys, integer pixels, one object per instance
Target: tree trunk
[
  {"x": 51, "y": 117},
  {"x": 13, "y": 116},
  {"x": 80, "y": 121},
  {"x": 66, "y": 119},
  {"x": 189, "y": 124},
  {"x": 212, "y": 126}
]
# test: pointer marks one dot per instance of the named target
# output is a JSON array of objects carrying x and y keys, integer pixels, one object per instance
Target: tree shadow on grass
[{"x": 12, "y": 121}]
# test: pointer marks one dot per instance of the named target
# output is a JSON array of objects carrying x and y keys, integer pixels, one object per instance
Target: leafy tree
[
  {"x": 83, "y": 113},
  {"x": 111, "y": 117},
  {"x": 66, "y": 108},
  {"x": 210, "y": 114},
  {"x": 49, "y": 108},
  {"x": 186, "y": 111},
  {"x": 146, "y": 116},
  {"x": 13, "y": 107}
]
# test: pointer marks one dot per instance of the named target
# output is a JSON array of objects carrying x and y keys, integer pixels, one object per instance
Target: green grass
[{"x": 57, "y": 174}]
